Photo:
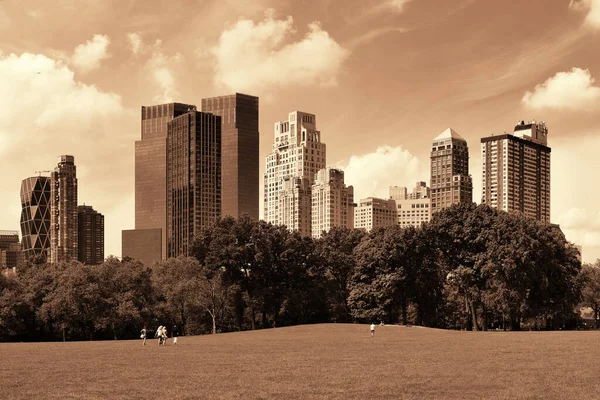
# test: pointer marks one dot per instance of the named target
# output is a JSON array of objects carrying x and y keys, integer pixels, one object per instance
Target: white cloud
[
  {"x": 372, "y": 174},
  {"x": 251, "y": 55},
  {"x": 592, "y": 7},
  {"x": 566, "y": 90},
  {"x": 136, "y": 42},
  {"x": 87, "y": 56},
  {"x": 161, "y": 66},
  {"x": 45, "y": 112},
  {"x": 395, "y": 5}
]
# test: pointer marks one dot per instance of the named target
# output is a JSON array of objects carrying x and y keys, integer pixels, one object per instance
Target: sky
[{"x": 384, "y": 77}]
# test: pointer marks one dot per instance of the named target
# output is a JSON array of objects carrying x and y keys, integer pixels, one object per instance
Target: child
[
  {"x": 143, "y": 335},
  {"x": 372, "y": 329}
]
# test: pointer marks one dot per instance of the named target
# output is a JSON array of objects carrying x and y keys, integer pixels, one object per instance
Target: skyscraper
[
  {"x": 35, "y": 216},
  {"x": 294, "y": 206},
  {"x": 193, "y": 178},
  {"x": 516, "y": 171},
  {"x": 332, "y": 202},
  {"x": 297, "y": 153},
  {"x": 91, "y": 235},
  {"x": 450, "y": 179},
  {"x": 239, "y": 152},
  {"x": 151, "y": 176},
  {"x": 11, "y": 251},
  {"x": 63, "y": 211},
  {"x": 372, "y": 213}
]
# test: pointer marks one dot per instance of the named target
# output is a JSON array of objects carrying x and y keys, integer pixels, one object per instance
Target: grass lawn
[{"x": 333, "y": 361}]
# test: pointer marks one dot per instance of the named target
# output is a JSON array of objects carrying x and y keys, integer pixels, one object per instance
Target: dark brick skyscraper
[
  {"x": 193, "y": 178},
  {"x": 151, "y": 171},
  {"x": 91, "y": 235},
  {"x": 239, "y": 155},
  {"x": 63, "y": 211}
]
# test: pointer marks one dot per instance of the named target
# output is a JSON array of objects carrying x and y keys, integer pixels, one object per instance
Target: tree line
[{"x": 471, "y": 267}]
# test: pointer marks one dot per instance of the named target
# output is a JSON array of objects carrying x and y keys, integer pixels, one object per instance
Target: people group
[{"x": 161, "y": 334}]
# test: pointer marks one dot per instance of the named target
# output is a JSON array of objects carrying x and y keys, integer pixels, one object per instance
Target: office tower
[
  {"x": 91, "y": 235},
  {"x": 332, "y": 202},
  {"x": 294, "y": 205},
  {"x": 239, "y": 153},
  {"x": 413, "y": 209},
  {"x": 151, "y": 182},
  {"x": 516, "y": 171},
  {"x": 450, "y": 179},
  {"x": 297, "y": 153},
  {"x": 372, "y": 213},
  {"x": 35, "y": 216},
  {"x": 63, "y": 211},
  {"x": 193, "y": 178},
  {"x": 11, "y": 251}
]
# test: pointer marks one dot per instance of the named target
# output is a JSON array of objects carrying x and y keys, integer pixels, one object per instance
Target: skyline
[{"x": 396, "y": 72}]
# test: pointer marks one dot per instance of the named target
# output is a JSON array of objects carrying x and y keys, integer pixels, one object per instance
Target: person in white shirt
[{"x": 372, "y": 329}]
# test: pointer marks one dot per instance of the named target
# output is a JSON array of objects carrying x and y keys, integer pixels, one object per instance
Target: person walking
[
  {"x": 174, "y": 334},
  {"x": 372, "y": 329},
  {"x": 158, "y": 334},
  {"x": 143, "y": 335}
]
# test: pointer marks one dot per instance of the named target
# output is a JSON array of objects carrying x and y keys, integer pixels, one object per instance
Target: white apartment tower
[
  {"x": 372, "y": 213},
  {"x": 297, "y": 153},
  {"x": 332, "y": 202},
  {"x": 516, "y": 171}
]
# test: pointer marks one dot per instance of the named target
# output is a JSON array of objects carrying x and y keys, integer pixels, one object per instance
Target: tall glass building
[{"x": 35, "y": 216}]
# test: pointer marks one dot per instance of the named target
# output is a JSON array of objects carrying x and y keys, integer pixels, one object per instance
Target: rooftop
[{"x": 449, "y": 134}]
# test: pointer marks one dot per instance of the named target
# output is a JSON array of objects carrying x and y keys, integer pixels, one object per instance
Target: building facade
[
  {"x": 414, "y": 209},
  {"x": 91, "y": 235},
  {"x": 35, "y": 216},
  {"x": 450, "y": 179},
  {"x": 294, "y": 205},
  {"x": 63, "y": 211},
  {"x": 11, "y": 251},
  {"x": 516, "y": 171},
  {"x": 239, "y": 153},
  {"x": 297, "y": 153},
  {"x": 372, "y": 213},
  {"x": 193, "y": 178},
  {"x": 142, "y": 245},
  {"x": 151, "y": 170},
  {"x": 332, "y": 202}
]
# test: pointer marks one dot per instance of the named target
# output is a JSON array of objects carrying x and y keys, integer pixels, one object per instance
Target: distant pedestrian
[
  {"x": 164, "y": 335},
  {"x": 174, "y": 334},
  {"x": 143, "y": 335},
  {"x": 372, "y": 329},
  {"x": 158, "y": 334}
]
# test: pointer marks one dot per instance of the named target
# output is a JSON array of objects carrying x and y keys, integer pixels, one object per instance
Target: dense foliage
[{"x": 471, "y": 267}]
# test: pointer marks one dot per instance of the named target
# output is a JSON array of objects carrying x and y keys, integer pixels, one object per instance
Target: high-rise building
[
  {"x": 294, "y": 206},
  {"x": 63, "y": 211},
  {"x": 193, "y": 178},
  {"x": 239, "y": 153},
  {"x": 297, "y": 153},
  {"x": 332, "y": 202},
  {"x": 91, "y": 235},
  {"x": 450, "y": 179},
  {"x": 516, "y": 171},
  {"x": 151, "y": 177},
  {"x": 35, "y": 216},
  {"x": 11, "y": 251},
  {"x": 372, "y": 213},
  {"x": 413, "y": 209}
]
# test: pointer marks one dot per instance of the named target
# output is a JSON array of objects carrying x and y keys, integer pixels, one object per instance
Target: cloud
[
  {"x": 394, "y": 5},
  {"x": 373, "y": 34},
  {"x": 581, "y": 226},
  {"x": 566, "y": 90},
  {"x": 592, "y": 7},
  {"x": 161, "y": 66},
  {"x": 87, "y": 56},
  {"x": 136, "y": 43},
  {"x": 372, "y": 174},
  {"x": 252, "y": 55},
  {"x": 46, "y": 112}
]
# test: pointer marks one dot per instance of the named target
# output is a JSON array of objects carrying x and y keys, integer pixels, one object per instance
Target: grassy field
[{"x": 312, "y": 362}]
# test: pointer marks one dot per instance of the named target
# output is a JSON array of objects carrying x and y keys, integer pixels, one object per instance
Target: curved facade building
[{"x": 35, "y": 216}]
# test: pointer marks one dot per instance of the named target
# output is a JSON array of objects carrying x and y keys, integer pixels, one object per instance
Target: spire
[{"x": 449, "y": 134}]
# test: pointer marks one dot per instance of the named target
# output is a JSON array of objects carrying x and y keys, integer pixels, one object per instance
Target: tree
[
  {"x": 213, "y": 295},
  {"x": 12, "y": 307},
  {"x": 590, "y": 275},
  {"x": 177, "y": 283}
]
